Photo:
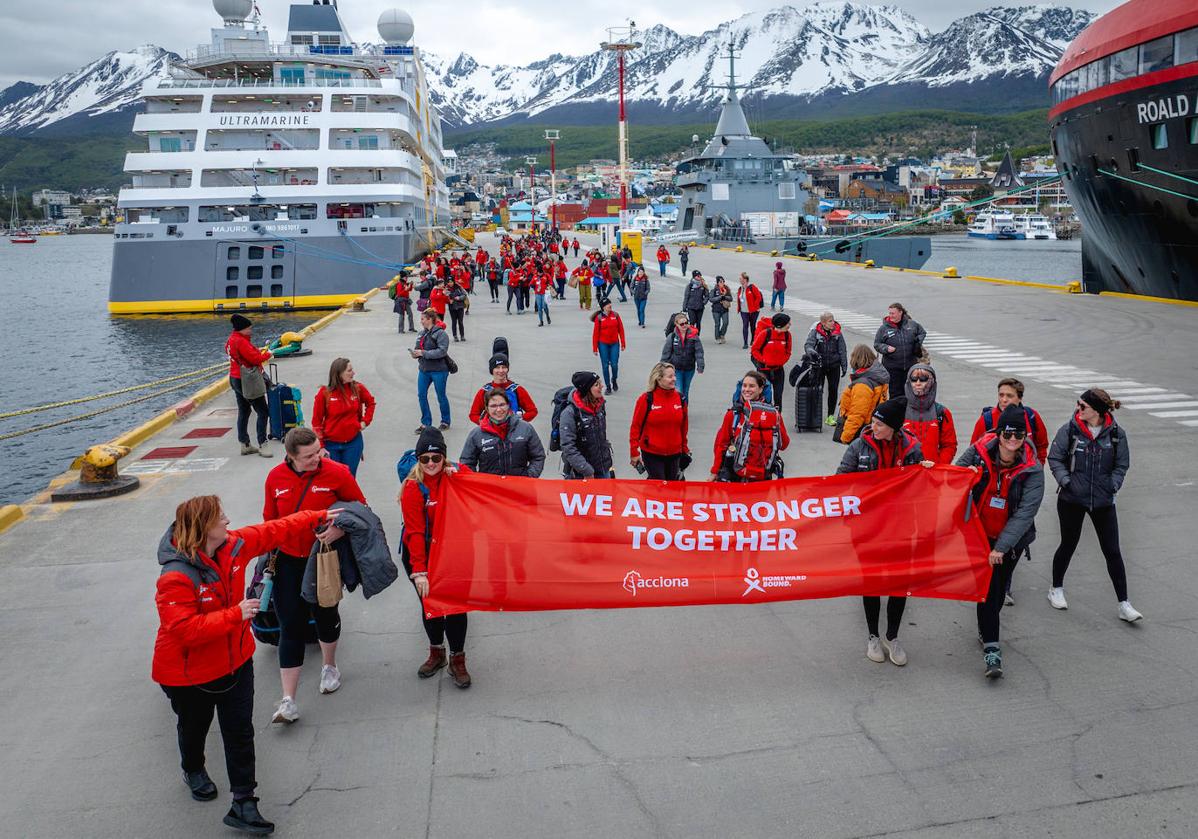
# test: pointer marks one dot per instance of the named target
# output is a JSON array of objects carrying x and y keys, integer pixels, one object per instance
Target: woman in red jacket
[
  {"x": 749, "y": 301},
  {"x": 752, "y": 435},
  {"x": 242, "y": 353},
  {"x": 203, "y": 655},
  {"x": 657, "y": 437},
  {"x": 420, "y": 498},
  {"x": 343, "y": 408},
  {"x": 438, "y": 298},
  {"x": 607, "y": 339},
  {"x": 771, "y": 351},
  {"x": 930, "y": 422}
]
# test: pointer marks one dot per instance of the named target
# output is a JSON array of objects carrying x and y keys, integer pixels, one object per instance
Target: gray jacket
[
  {"x": 1024, "y": 495},
  {"x": 830, "y": 348},
  {"x": 720, "y": 300},
  {"x": 435, "y": 344},
  {"x": 694, "y": 296},
  {"x": 519, "y": 452},
  {"x": 903, "y": 338},
  {"x": 365, "y": 557},
  {"x": 864, "y": 455},
  {"x": 1089, "y": 471},
  {"x": 683, "y": 354},
  {"x": 586, "y": 451}
]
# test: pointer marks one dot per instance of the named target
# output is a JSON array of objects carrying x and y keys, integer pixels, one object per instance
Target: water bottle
[{"x": 268, "y": 583}]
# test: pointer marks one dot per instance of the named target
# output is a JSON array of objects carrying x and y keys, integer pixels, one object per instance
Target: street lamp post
[
  {"x": 621, "y": 40},
  {"x": 531, "y": 160},
  {"x": 553, "y": 135}
]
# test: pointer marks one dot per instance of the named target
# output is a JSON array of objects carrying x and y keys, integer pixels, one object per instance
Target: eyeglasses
[
  {"x": 431, "y": 458},
  {"x": 921, "y": 378},
  {"x": 1081, "y": 406},
  {"x": 1013, "y": 434}
]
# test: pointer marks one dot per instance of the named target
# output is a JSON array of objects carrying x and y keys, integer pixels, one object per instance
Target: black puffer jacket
[
  {"x": 903, "y": 338},
  {"x": 684, "y": 353},
  {"x": 586, "y": 451},
  {"x": 363, "y": 553},
  {"x": 518, "y": 452},
  {"x": 694, "y": 296},
  {"x": 435, "y": 344},
  {"x": 829, "y": 346},
  {"x": 864, "y": 454},
  {"x": 640, "y": 288},
  {"x": 1023, "y": 496},
  {"x": 1090, "y": 470}
]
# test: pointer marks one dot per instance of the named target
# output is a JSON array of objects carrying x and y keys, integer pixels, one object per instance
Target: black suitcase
[{"x": 809, "y": 396}]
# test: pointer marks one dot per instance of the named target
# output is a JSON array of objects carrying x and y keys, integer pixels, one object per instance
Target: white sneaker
[
  {"x": 286, "y": 712},
  {"x": 898, "y": 655},
  {"x": 1008, "y": 600},
  {"x": 330, "y": 678},
  {"x": 1056, "y": 598},
  {"x": 873, "y": 649},
  {"x": 263, "y": 451},
  {"x": 1128, "y": 613}
]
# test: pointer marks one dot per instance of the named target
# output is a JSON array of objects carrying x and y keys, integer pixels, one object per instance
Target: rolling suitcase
[
  {"x": 284, "y": 404},
  {"x": 809, "y": 396}
]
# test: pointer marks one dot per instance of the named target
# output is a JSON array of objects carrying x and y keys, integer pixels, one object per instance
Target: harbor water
[
  {"x": 1056, "y": 261},
  {"x": 59, "y": 343}
]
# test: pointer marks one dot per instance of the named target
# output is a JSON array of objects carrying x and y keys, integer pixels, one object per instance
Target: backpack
[
  {"x": 561, "y": 401},
  {"x": 499, "y": 347},
  {"x": 512, "y": 399},
  {"x": 742, "y": 438},
  {"x": 990, "y": 416}
]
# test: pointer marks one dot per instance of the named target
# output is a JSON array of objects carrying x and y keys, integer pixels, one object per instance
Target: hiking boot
[
  {"x": 873, "y": 649},
  {"x": 898, "y": 656},
  {"x": 444, "y": 426},
  {"x": 247, "y": 448},
  {"x": 244, "y": 815},
  {"x": 263, "y": 451},
  {"x": 615, "y": 386},
  {"x": 419, "y": 429},
  {"x": 330, "y": 678},
  {"x": 286, "y": 712},
  {"x": 436, "y": 660},
  {"x": 1056, "y": 598},
  {"x": 457, "y": 670},
  {"x": 201, "y": 786},
  {"x": 1128, "y": 613},
  {"x": 993, "y": 660},
  {"x": 607, "y": 391}
]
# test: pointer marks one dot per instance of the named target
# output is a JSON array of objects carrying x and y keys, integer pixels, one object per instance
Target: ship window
[
  {"x": 253, "y": 291},
  {"x": 330, "y": 40},
  {"x": 1156, "y": 55},
  {"x": 234, "y": 253},
  {"x": 232, "y": 273},
  {"x": 1160, "y": 135},
  {"x": 1100, "y": 73},
  {"x": 256, "y": 252},
  {"x": 301, "y": 39},
  {"x": 1186, "y": 47},
  {"x": 276, "y": 272},
  {"x": 254, "y": 272},
  {"x": 291, "y": 75},
  {"x": 368, "y": 143},
  {"x": 230, "y": 292},
  {"x": 276, "y": 290},
  {"x": 1192, "y": 130},
  {"x": 277, "y": 252},
  {"x": 170, "y": 144},
  {"x": 1124, "y": 64}
]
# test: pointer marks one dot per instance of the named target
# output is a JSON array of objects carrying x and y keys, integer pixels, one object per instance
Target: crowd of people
[{"x": 888, "y": 415}]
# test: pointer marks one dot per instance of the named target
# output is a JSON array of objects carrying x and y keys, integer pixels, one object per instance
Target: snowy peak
[{"x": 1058, "y": 25}]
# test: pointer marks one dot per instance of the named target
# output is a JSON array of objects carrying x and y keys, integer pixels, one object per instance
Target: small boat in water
[
  {"x": 17, "y": 237},
  {"x": 22, "y": 238},
  {"x": 995, "y": 225}
]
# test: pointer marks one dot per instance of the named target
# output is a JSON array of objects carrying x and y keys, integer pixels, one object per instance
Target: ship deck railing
[
  {"x": 182, "y": 84},
  {"x": 255, "y": 49}
]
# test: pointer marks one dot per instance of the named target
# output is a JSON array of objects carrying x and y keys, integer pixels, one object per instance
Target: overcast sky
[{"x": 45, "y": 40}]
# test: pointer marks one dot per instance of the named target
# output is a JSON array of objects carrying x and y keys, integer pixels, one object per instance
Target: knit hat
[
  {"x": 497, "y": 360},
  {"x": 780, "y": 320},
  {"x": 1090, "y": 398},
  {"x": 240, "y": 322},
  {"x": 584, "y": 380},
  {"x": 921, "y": 408},
  {"x": 1013, "y": 418},
  {"x": 696, "y": 273},
  {"x": 431, "y": 441},
  {"x": 892, "y": 412}
]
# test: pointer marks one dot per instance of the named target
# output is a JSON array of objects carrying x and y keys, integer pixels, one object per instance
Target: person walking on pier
[
  {"x": 305, "y": 480},
  {"x": 1010, "y": 392},
  {"x": 582, "y": 279},
  {"x": 694, "y": 300},
  {"x": 884, "y": 445},
  {"x": 683, "y": 350},
  {"x": 582, "y": 429},
  {"x": 204, "y": 651},
  {"x": 778, "y": 298},
  {"x": 1089, "y": 458},
  {"x": 663, "y": 259},
  {"x": 826, "y": 339},
  {"x": 640, "y": 295},
  {"x": 494, "y": 274},
  {"x": 419, "y": 498},
  {"x": 607, "y": 339},
  {"x": 930, "y": 422},
  {"x": 575, "y": 246},
  {"x": 657, "y": 436},
  {"x": 402, "y": 294},
  {"x": 869, "y": 387},
  {"x": 244, "y": 356},
  {"x": 749, "y": 301},
  {"x": 721, "y": 300},
  {"x": 771, "y": 351},
  {"x": 899, "y": 340},
  {"x": 542, "y": 289},
  {"x": 748, "y": 444},
  {"x": 684, "y": 255},
  {"x": 1006, "y": 495},
  {"x": 342, "y": 408},
  {"x": 432, "y": 355},
  {"x": 457, "y": 305}
]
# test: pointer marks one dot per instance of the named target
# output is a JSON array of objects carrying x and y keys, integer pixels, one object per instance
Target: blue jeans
[
  {"x": 542, "y": 309},
  {"x": 721, "y": 322},
  {"x": 348, "y": 453},
  {"x": 684, "y": 382},
  {"x": 640, "y": 311},
  {"x": 778, "y": 299},
  {"x": 438, "y": 379},
  {"x": 609, "y": 362},
  {"x": 243, "y": 413},
  {"x": 661, "y": 266}
]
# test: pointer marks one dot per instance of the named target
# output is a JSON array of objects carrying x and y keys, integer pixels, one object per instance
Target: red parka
[
  {"x": 338, "y": 416},
  {"x": 241, "y": 351}
]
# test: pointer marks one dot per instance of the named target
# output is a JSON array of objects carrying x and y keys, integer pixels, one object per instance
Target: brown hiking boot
[
  {"x": 457, "y": 670},
  {"x": 436, "y": 660}
]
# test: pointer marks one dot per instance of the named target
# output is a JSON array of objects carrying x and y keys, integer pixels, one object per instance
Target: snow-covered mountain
[{"x": 817, "y": 53}]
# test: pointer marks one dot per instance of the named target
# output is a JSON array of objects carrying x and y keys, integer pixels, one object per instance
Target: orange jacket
[{"x": 868, "y": 388}]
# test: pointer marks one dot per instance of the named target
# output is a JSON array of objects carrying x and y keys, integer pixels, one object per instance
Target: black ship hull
[{"x": 1139, "y": 236}]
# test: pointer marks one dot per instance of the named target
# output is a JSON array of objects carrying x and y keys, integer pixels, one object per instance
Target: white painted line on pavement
[
  {"x": 1173, "y": 414},
  {"x": 1155, "y": 399},
  {"x": 1190, "y": 423}
]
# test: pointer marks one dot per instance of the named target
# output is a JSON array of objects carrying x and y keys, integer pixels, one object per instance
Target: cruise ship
[
  {"x": 1124, "y": 122},
  {"x": 280, "y": 176}
]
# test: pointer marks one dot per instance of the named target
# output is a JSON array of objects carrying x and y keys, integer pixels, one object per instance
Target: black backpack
[{"x": 561, "y": 401}]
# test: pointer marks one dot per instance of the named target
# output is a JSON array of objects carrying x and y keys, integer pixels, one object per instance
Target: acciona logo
[{"x": 634, "y": 581}]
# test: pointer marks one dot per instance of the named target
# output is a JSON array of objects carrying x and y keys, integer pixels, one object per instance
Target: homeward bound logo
[
  {"x": 754, "y": 581},
  {"x": 634, "y": 581}
]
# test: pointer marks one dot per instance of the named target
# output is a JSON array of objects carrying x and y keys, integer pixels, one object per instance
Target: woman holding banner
[
  {"x": 657, "y": 438},
  {"x": 869, "y": 386},
  {"x": 753, "y": 433},
  {"x": 884, "y": 445},
  {"x": 419, "y": 497}
]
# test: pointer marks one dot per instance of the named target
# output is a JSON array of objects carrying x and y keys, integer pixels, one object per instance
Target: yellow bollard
[
  {"x": 1074, "y": 287},
  {"x": 869, "y": 263},
  {"x": 773, "y": 253},
  {"x": 359, "y": 304},
  {"x": 98, "y": 477},
  {"x": 740, "y": 248},
  {"x": 951, "y": 273}
]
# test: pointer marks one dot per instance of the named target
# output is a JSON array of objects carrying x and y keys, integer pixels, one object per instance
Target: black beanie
[
  {"x": 780, "y": 320},
  {"x": 584, "y": 380},
  {"x": 1013, "y": 418},
  {"x": 431, "y": 441},
  {"x": 496, "y": 360},
  {"x": 240, "y": 322},
  {"x": 893, "y": 412}
]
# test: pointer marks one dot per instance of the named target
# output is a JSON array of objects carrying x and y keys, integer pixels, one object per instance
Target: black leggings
[
  {"x": 777, "y": 379},
  {"x": 696, "y": 319},
  {"x": 453, "y": 626},
  {"x": 494, "y": 284},
  {"x": 232, "y": 699},
  {"x": 748, "y": 323},
  {"x": 988, "y": 610},
  {"x": 662, "y": 467},
  {"x": 294, "y": 612},
  {"x": 514, "y": 294},
  {"x": 831, "y": 380},
  {"x": 894, "y": 614},
  {"x": 1106, "y": 525},
  {"x": 458, "y": 318}
]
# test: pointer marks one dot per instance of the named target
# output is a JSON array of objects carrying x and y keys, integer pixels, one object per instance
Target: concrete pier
[{"x": 763, "y": 720}]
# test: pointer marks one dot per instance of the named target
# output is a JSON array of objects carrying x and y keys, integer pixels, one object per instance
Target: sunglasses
[
  {"x": 1013, "y": 434},
  {"x": 431, "y": 458},
  {"x": 1081, "y": 406},
  {"x": 921, "y": 378}
]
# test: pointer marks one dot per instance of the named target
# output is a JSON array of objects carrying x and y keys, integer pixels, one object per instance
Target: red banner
[{"x": 521, "y": 544}]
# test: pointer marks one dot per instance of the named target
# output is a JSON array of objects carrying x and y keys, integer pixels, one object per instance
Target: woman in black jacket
[
  {"x": 1089, "y": 459},
  {"x": 720, "y": 298},
  {"x": 586, "y": 451}
]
